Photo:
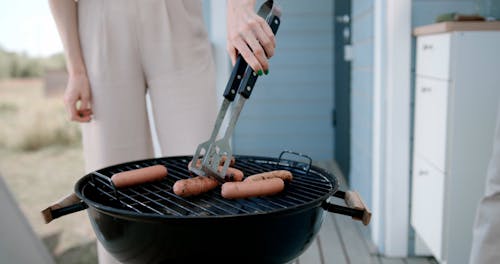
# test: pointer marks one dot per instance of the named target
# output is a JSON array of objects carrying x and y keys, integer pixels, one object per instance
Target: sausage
[
  {"x": 247, "y": 189},
  {"x": 221, "y": 162},
  {"x": 139, "y": 176},
  {"x": 232, "y": 174},
  {"x": 198, "y": 164},
  {"x": 282, "y": 174},
  {"x": 231, "y": 162},
  {"x": 194, "y": 186}
]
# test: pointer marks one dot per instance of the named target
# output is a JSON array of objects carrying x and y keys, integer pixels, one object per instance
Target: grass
[
  {"x": 30, "y": 121},
  {"x": 41, "y": 159}
]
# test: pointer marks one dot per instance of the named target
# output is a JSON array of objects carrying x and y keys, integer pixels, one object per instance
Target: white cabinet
[
  {"x": 431, "y": 99},
  {"x": 428, "y": 211},
  {"x": 433, "y": 54},
  {"x": 457, "y": 93}
]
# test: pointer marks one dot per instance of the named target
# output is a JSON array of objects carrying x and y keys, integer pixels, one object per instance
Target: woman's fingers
[
  {"x": 266, "y": 37},
  {"x": 77, "y": 99},
  {"x": 85, "y": 110},
  {"x": 75, "y": 114},
  {"x": 258, "y": 53},
  {"x": 248, "y": 55},
  {"x": 233, "y": 53},
  {"x": 70, "y": 109},
  {"x": 84, "y": 115},
  {"x": 250, "y": 35}
]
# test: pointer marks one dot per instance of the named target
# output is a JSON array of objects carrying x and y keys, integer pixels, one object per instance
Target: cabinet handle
[
  {"x": 427, "y": 46},
  {"x": 426, "y": 89},
  {"x": 423, "y": 172}
]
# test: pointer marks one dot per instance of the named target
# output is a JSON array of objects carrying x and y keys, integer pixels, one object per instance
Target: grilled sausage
[
  {"x": 221, "y": 162},
  {"x": 198, "y": 165},
  {"x": 194, "y": 186},
  {"x": 282, "y": 174},
  {"x": 247, "y": 189},
  {"x": 232, "y": 174},
  {"x": 231, "y": 162},
  {"x": 139, "y": 176}
]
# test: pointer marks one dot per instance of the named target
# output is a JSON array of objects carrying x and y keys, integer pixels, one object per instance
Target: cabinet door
[
  {"x": 433, "y": 56},
  {"x": 431, "y": 119},
  {"x": 427, "y": 204}
]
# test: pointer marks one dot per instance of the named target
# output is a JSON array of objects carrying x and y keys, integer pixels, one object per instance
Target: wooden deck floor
[{"x": 342, "y": 240}]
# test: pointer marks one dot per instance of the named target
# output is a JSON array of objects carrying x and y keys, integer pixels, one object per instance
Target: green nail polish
[
  {"x": 259, "y": 72},
  {"x": 266, "y": 72}
]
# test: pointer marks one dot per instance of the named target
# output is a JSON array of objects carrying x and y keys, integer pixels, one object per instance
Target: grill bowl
[{"x": 150, "y": 224}]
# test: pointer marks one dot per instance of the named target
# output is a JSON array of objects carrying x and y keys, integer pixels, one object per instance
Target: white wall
[{"x": 381, "y": 117}]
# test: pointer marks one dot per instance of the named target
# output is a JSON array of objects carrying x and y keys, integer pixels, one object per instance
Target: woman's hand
[
  {"x": 249, "y": 34},
  {"x": 77, "y": 98}
]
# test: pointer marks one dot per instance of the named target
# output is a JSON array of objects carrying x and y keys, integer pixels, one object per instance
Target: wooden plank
[
  {"x": 355, "y": 246},
  {"x": 365, "y": 234},
  {"x": 311, "y": 255},
  {"x": 330, "y": 244}
]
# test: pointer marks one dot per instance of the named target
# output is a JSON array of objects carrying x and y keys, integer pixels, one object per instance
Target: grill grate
[{"x": 308, "y": 186}]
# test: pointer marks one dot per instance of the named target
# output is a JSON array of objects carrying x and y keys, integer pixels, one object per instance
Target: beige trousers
[
  {"x": 486, "y": 235},
  {"x": 134, "y": 46}
]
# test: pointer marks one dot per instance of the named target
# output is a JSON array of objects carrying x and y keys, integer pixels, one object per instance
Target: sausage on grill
[
  {"x": 282, "y": 174},
  {"x": 139, "y": 176},
  {"x": 232, "y": 174},
  {"x": 221, "y": 162},
  {"x": 231, "y": 162},
  {"x": 194, "y": 186},
  {"x": 247, "y": 189}
]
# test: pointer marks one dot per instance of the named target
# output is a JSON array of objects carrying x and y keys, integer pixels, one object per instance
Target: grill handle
[
  {"x": 56, "y": 213},
  {"x": 295, "y": 163},
  {"x": 356, "y": 208},
  {"x": 66, "y": 205}
]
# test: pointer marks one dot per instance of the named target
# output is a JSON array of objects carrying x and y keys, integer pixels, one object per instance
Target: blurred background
[{"x": 40, "y": 151}]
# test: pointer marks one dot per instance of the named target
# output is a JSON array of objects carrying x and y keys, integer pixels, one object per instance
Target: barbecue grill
[{"x": 148, "y": 223}]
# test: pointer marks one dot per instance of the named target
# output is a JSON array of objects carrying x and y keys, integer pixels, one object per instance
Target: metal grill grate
[{"x": 308, "y": 186}]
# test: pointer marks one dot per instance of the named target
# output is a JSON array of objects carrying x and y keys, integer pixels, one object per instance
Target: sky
[{"x": 27, "y": 26}]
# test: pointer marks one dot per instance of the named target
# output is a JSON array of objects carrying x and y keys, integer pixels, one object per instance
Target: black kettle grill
[{"x": 148, "y": 223}]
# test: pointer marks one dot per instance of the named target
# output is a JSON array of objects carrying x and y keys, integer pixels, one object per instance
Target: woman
[{"x": 117, "y": 50}]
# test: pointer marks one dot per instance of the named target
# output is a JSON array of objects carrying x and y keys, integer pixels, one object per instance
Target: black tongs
[{"x": 241, "y": 81}]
